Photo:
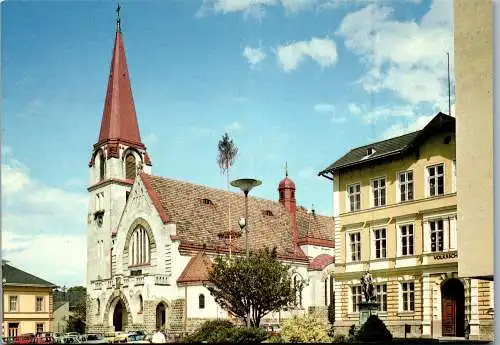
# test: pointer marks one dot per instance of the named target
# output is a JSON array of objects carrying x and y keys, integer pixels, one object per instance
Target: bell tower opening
[{"x": 130, "y": 168}]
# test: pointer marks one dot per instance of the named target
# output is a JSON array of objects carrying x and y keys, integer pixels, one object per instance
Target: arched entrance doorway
[
  {"x": 161, "y": 317},
  {"x": 452, "y": 308},
  {"x": 119, "y": 316}
]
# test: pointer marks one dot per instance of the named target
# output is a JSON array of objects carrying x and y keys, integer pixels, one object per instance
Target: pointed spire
[
  {"x": 119, "y": 120},
  {"x": 286, "y": 169}
]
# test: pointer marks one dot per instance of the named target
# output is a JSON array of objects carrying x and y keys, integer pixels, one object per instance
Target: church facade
[{"x": 152, "y": 240}]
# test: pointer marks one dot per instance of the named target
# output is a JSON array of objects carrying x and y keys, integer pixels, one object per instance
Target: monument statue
[{"x": 368, "y": 288}]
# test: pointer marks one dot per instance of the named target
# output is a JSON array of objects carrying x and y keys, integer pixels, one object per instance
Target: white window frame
[
  {"x": 437, "y": 231},
  {"x": 354, "y": 305},
  {"x": 348, "y": 197},
  {"x": 42, "y": 307},
  {"x": 349, "y": 246},
  {"x": 139, "y": 250},
  {"x": 400, "y": 238},
  {"x": 427, "y": 180},
  {"x": 380, "y": 296},
  {"x": 374, "y": 243},
  {"x": 16, "y": 299},
  {"x": 454, "y": 177},
  {"x": 411, "y": 294},
  {"x": 398, "y": 183},
  {"x": 372, "y": 191}
]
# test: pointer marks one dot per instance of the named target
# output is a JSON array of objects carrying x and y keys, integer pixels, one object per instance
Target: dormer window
[
  {"x": 370, "y": 151},
  {"x": 267, "y": 213},
  {"x": 206, "y": 201}
]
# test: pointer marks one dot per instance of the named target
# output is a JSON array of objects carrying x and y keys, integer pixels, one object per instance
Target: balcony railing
[{"x": 159, "y": 279}]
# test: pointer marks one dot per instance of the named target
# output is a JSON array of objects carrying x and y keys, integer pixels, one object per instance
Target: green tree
[
  {"x": 77, "y": 319},
  {"x": 252, "y": 287},
  {"x": 305, "y": 329}
]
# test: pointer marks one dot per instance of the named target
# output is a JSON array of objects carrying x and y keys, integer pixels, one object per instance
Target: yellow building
[
  {"x": 395, "y": 209},
  {"x": 473, "y": 35},
  {"x": 27, "y": 303}
]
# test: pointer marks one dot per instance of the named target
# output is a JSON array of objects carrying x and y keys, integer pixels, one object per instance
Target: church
[{"x": 151, "y": 240}]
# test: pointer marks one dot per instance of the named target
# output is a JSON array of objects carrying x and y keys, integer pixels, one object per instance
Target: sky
[{"x": 296, "y": 81}]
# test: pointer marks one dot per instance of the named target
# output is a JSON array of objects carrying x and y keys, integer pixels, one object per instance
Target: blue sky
[{"x": 301, "y": 81}]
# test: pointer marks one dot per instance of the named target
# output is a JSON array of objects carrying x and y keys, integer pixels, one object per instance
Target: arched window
[
  {"x": 139, "y": 247},
  {"x": 326, "y": 291},
  {"x": 201, "y": 301},
  {"x": 98, "y": 306},
  {"x": 141, "y": 304},
  {"x": 102, "y": 166},
  {"x": 298, "y": 290},
  {"x": 130, "y": 168}
]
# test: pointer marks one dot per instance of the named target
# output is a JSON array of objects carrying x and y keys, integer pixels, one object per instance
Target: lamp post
[{"x": 246, "y": 185}]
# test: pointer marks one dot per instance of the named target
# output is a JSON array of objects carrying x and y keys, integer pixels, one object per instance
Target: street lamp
[{"x": 246, "y": 185}]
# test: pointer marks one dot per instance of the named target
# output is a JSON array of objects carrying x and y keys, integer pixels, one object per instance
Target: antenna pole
[{"x": 449, "y": 86}]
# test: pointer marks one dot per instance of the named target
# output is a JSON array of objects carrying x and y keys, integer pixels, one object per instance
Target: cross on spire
[
  {"x": 118, "y": 27},
  {"x": 286, "y": 169}
]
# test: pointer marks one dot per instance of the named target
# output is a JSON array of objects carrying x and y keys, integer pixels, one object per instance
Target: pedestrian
[{"x": 158, "y": 338}]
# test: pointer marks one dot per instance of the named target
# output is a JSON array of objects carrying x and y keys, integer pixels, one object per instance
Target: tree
[
  {"x": 76, "y": 321},
  {"x": 252, "y": 287},
  {"x": 225, "y": 159}
]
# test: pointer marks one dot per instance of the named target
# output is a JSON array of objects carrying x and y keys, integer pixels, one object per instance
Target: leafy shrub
[
  {"x": 246, "y": 335},
  {"x": 339, "y": 338},
  {"x": 305, "y": 329},
  {"x": 211, "y": 331},
  {"x": 275, "y": 339},
  {"x": 374, "y": 329},
  {"x": 352, "y": 333}
]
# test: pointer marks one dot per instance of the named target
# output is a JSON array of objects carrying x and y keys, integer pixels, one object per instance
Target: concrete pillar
[
  {"x": 427, "y": 305},
  {"x": 453, "y": 233},
  {"x": 474, "y": 309},
  {"x": 427, "y": 237},
  {"x": 446, "y": 234}
]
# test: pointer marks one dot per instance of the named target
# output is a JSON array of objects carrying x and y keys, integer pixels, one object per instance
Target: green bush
[
  {"x": 374, "y": 329},
  {"x": 246, "y": 335},
  {"x": 352, "y": 333},
  {"x": 211, "y": 331},
  {"x": 331, "y": 313},
  {"x": 305, "y": 329},
  {"x": 339, "y": 338},
  {"x": 275, "y": 339}
]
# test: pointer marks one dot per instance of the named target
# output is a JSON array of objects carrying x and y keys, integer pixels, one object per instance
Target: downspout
[{"x": 185, "y": 308}]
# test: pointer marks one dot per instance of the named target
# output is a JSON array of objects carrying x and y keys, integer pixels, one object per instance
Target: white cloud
[
  {"x": 253, "y": 8},
  {"x": 381, "y": 112},
  {"x": 324, "y": 108},
  {"x": 405, "y": 57},
  {"x": 335, "y": 119},
  {"x": 321, "y": 50},
  {"x": 354, "y": 109},
  {"x": 254, "y": 55},
  {"x": 233, "y": 127},
  {"x": 36, "y": 218}
]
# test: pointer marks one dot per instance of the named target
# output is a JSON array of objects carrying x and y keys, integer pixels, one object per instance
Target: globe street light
[{"x": 246, "y": 185}]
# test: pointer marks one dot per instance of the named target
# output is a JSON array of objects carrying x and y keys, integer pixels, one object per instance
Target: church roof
[
  {"x": 15, "y": 277},
  {"x": 321, "y": 261},
  {"x": 119, "y": 120},
  {"x": 196, "y": 270},
  {"x": 201, "y": 214}
]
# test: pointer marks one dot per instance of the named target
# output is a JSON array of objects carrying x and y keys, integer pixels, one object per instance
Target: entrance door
[
  {"x": 449, "y": 317},
  {"x": 118, "y": 317},
  {"x": 452, "y": 308}
]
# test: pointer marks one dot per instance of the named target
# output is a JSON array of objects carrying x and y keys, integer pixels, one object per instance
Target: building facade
[
  {"x": 151, "y": 240},
  {"x": 28, "y": 303},
  {"x": 395, "y": 209},
  {"x": 473, "y": 35}
]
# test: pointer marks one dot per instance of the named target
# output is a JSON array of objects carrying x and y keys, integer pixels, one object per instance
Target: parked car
[
  {"x": 45, "y": 340},
  {"x": 93, "y": 339},
  {"x": 272, "y": 329},
  {"x": 24, "y": 339}
]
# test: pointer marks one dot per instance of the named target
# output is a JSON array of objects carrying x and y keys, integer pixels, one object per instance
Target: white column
[
  {"x": 137, "y": 248},
  {"x": 148, "y": 258},
  {"x": 427, "y": 237},
  {"x": 453, "y": 233},
  {"x": 427, "y": 305},
  {"x": 474, "y": 308},
  {"x": 446, "y": 234},
  {"x": 338, "y": 301}
]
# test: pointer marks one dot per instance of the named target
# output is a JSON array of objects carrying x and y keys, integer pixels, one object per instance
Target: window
[
  {"x": 282, "y": 195},
  {"x": 102, "y": 166},
  {"x": 130, "y": 169},
  {"x": 141, "y": 304},
  {"x": 436, "y": 179},
  {"x": 408, "y": 293},
  {"x": 326, "y": 291},
  {"x": 355, "y": 298},
  {"x": 13, "y": 303},
  {"x": 139, "y": 247},
  {"x": 39, "y": 304},
  {"x": 381, "y": 295},
  {"x": 407, "y": 239},
  {"x": 201, "y": 301},
  {"x": 127, "y": 194},
  {"x": 406, "y": 186},
  {"x": 437, "y": 235},
  {"x": 267, "y": 213},
  {"x": 380, "y": 243},
  {"x": 355, "y": 241},
  {"x": 378, "y": 189},
  {"x": 298, "y": 290},
  {"x": 332, "y": 291},
  {"x": 39, "y": 328},
  {"x": 98, "y": 306},
  {"x": 354, "y": 193},
  {"x": 207, "y": 202},
  {"x": 13, "y": 329}
]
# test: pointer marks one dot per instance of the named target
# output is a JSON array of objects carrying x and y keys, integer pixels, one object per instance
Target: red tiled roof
[
  {"x": 321, "y": 261},
  {"x": 199, "y": 224},
  {"x": 196, "y": 270},
  {"x": 314, "y": 226}
]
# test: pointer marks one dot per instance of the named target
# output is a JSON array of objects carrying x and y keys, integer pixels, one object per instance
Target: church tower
[{"x": 116, "y": 158}]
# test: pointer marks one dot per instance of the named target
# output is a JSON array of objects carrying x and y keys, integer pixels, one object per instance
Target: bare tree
[{"x": 225, "y": 159}]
